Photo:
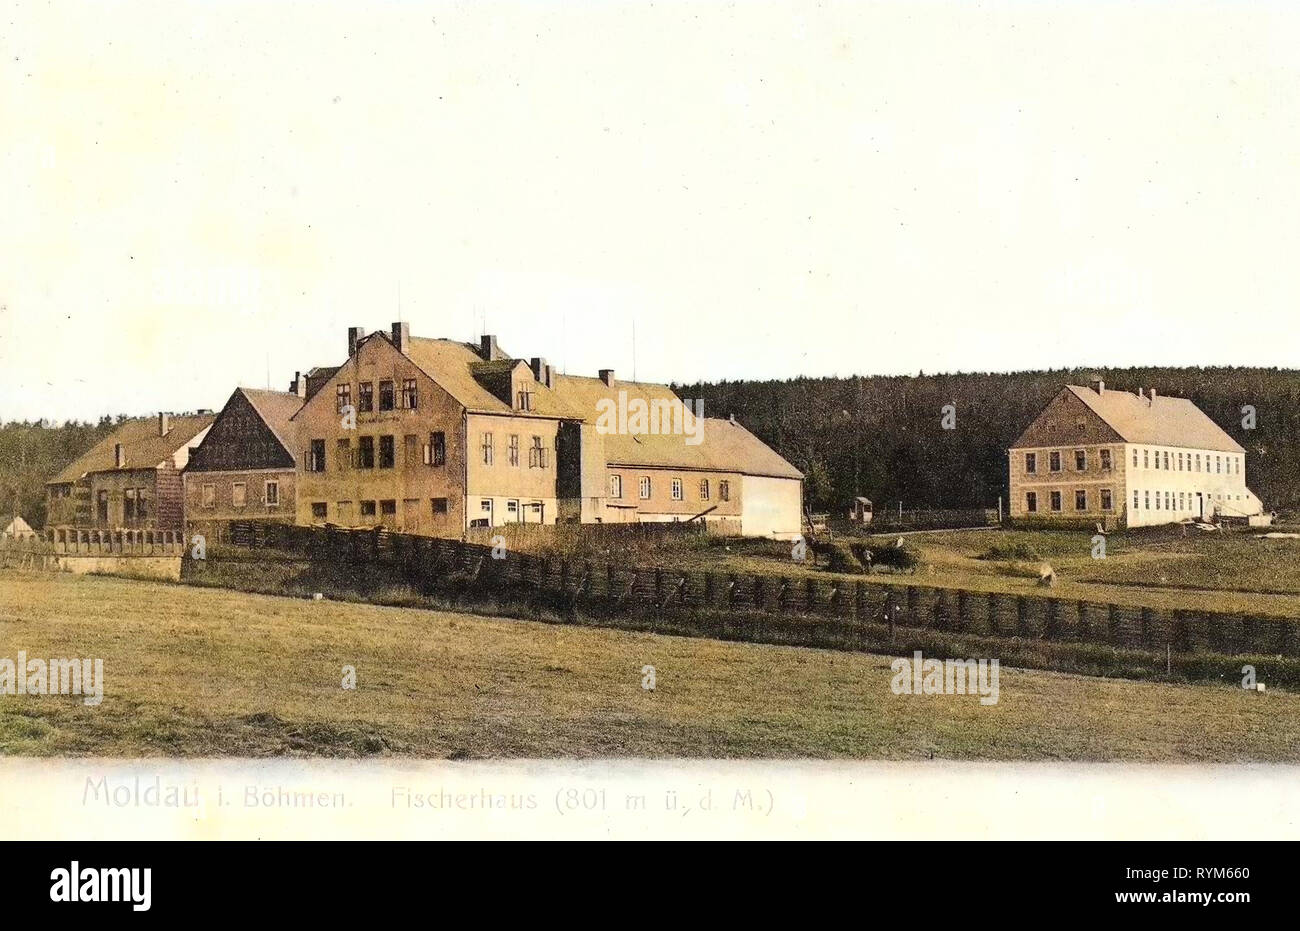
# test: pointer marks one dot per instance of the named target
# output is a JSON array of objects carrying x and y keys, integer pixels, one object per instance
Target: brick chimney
[
  {"x": 538, "y": 366},
  {"x": 550, "y": 375},
  {"x": 487, "y": 348},
  {"x": 119, "y": 457},
  {"x": 164, "y": 424},
  {"x": 402, "y": 337},
  {"x": 355, "y": 335},
  {"x": 607, "y": 376},
  {"x": 1098, "y": 386},
  {"x": 1153, "y": 397},
  {"x": 299, "y": 385}
]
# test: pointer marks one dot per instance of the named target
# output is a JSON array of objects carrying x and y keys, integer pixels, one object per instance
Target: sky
[{"x": 197, "y": 196}]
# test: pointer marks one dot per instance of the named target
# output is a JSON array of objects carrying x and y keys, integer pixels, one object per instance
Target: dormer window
[{"x": 524, "y": 401}]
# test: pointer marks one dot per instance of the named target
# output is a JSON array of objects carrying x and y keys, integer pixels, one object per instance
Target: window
[
  {"x": 704, "y": 489},
  {"x": 524, "y": 401},
  {"x": 318, "y": 510},
  {"x": 209, "y": 496},
  {"x": 512, "y": 507},
  {"x": 1031, "y": 463},
  {"x": 1181, "y": 505},
  {"x": 1080, "y": 460},
  {"x": 316, "y": 456},
  {"x": 342, "y": 454},
  {"x": 388, "y": 508},
  {"x": 1080, "y": 500},
  {"x": 487, "y": 448},
  {"x": 1157, "y": 500},
  {"x": 366, "y": 452},
  {"x": 1180, "y": 462},
  {"x": 1135, "y": 499},
  {"x": 435, "y": 454},
  {"x": 387, "y": 452},
  {"x": 366, "y": 396},
  {"x": 1146, "y": 500},
  {"x": 514, "y": 449},
  {"x": 1054, "y": 462},
  {"x": 1146, "y": 459},
  {"x": 537, "y": 455},
  {"x": 1218, "y": 464},
  {"x": 724, "y": 490},
  {"x": 343, "y": 396},
  {"x": 411, "y": 445},
  {"x": 439, "y": 505},
  {"x": 272, "y": 494},
  {"x": 343, "y": 512},
  {"x": 101, "y": 506},
  {"x": 386, "y": 395},
  {"x": 1031, "y": 502},
  {"x": 367, "y": 509},
  {"x": 128, "y": 505},
  {"x": 410, "y": 394},
  {"x": 1107, "y": 502},
  {"x": 1135, "y": 458},
  {"x": 1056, "y": 500},
  {"x": 1105, "y": 460},
  {"x": 616, "y": 486},
  {"x": 238, "y": 494},
  {"x": 677, "y": 489},
  {"x": 1166, "y": 461},
  {"x": 485, "y": 505},
  {"x": 645, "y": 487}
]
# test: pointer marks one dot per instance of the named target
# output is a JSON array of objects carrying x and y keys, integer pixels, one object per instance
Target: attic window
[{"x": 524, "y": 401}]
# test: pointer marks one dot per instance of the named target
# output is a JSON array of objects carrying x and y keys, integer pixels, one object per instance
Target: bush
[
  {"x": 1017, "y": 551},
  {"x": 840, "y": 556},
  {"x": 899, "y": 558}
]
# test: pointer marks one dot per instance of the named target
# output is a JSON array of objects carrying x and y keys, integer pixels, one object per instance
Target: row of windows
[
  {"x": 1187, "y": 462},
  {"x": 387, "y": 395},
  {"x": 134, "y": 507},
  {"x": 1054, "y": 500},
  {"x": 1169, "y": 500},
  {"x": 676, "y": 488},
  {"x": 380, "y": 508},
  {"x": 239, "y": 494},
  {"x": 1080, "y": 461},
  {"x": 537, "y": 457},
  {"x": 432, "y": 453}
]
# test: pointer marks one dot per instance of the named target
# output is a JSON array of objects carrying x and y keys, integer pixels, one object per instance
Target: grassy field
[
  {"x": 208, "y": 672},
  {"x": 1154, "y": 567}
]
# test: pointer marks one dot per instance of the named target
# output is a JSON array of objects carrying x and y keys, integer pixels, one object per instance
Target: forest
[
  {"x": 884, "y": 436},
  {"x": 879, "y": 436}
]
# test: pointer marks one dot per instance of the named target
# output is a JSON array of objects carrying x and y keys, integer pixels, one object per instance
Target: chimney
[
  {"x": 119, "y": 457},
  {"x": 402, "y": 337},
  {"x": 299, "y": 385},
  {"x": 550, "y": 375},
  {"x": 164, "y": 424},
  {"x": 539, "y": 368},
  {"x": 607, "y": 376},
  {"x": 1153, "y": 396},
  {"x": 487, "y": 348},
  {"x": 1098, "y": 386},
  {"x": 355, "y": 335}
]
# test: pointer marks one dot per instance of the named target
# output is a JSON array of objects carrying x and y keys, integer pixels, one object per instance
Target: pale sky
[{"x": 195, "y": 191}]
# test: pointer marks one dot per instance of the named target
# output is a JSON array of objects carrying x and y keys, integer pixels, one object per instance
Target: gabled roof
[
  {"x": 726, "y": 446},
  {"x": 142, "y": 447},
  {"x": 1156, "y": 421},
  {"x": 275, "y": 408},
  {"x": 453, "y": 365},
  {"x": 18, "y": 528}
]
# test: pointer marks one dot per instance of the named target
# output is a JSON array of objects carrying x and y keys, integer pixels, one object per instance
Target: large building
[
  {"x": 129, "y": 480},
  {"x": 246, "y": 467},
  {"x": 436, "y": 436},
  {"x": 1126, "y": 459}
]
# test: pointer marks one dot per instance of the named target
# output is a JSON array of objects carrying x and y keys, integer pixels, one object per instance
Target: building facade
[
  {"x": 1126, "y": 459},
  {"x": 245, "y": 469},
  {"x": 131, "y": 479}
]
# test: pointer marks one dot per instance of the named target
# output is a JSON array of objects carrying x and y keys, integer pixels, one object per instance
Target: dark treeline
[
  {"x": 882, "y": 436},
  {"x": 33, "y": 452}
]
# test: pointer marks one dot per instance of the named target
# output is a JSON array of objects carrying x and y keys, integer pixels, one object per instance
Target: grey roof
[{"x": 1156, "y": 421}]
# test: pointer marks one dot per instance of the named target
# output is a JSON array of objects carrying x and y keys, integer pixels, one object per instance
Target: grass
[{"x": 208, "y": 672}]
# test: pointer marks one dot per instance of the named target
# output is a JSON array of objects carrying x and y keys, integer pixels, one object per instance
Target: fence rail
[
  {"x": 97, "y": 543},
  {"x": 826, "y": 611}
]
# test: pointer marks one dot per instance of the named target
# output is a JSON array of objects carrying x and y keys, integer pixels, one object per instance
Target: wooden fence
[
  {"x": 828, "y": 610},
  {"x": 98, "y": 543}
]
